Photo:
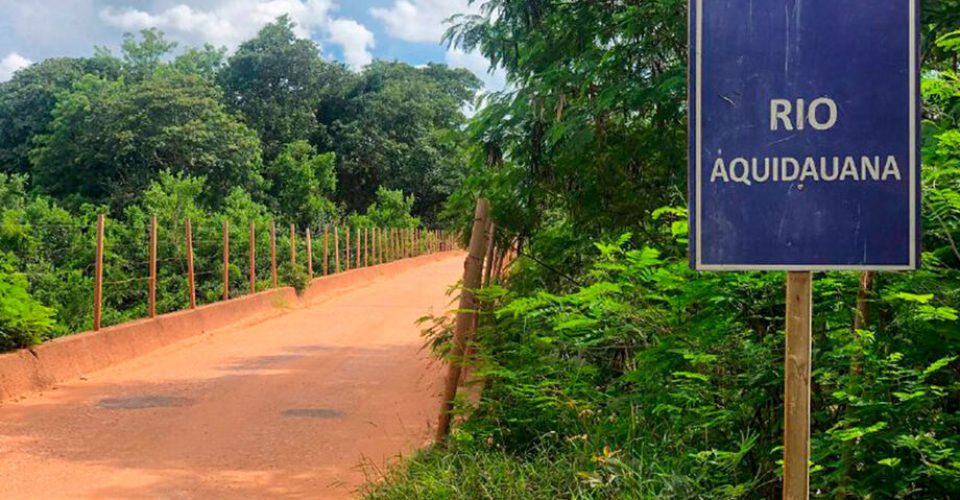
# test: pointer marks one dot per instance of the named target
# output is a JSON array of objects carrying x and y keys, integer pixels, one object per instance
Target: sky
[{"x": 352, "y": 31}]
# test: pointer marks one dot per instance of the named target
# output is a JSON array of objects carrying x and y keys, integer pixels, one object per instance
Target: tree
[
  {"x": 400, "y": 127},
  {"x": 109, "y": 140},
  {"x": 27, "y": 102},
  {"x": 596, "y": 116},
  {"x": 390, "y": 209},
  {"x": 141, "y": 58},
  {"x": 302, "y": 181},
  {"x": 275, "y": 81},
  {"x": 206, "y": 61}
]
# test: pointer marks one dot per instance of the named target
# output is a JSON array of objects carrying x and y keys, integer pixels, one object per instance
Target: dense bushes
[
  {"x": 649, "y": 379},
  {"x": 613, "y": 371}
]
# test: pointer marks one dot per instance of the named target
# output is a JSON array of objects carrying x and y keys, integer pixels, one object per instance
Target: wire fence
[{"x": 134, "y": 271}]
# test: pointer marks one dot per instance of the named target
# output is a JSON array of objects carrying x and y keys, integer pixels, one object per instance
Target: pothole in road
[
  {"x": 312, "y": 413},
  {"x": 262, "y": 362},
  {"x": 143, "y": 402}
]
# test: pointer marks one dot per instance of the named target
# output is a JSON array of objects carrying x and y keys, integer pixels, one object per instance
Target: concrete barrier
[{"x": 66, "y": 358}]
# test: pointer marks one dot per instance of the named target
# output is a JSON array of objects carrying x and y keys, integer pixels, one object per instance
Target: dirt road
[{"x": 289, "y": 407}]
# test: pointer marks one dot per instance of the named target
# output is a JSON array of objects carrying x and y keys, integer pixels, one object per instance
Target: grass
[{"x": 488, "y": 473}]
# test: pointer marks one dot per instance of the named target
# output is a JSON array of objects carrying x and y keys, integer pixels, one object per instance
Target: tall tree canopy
[
  {"x": 27, "y": 102},
  {"x": 110, "y": 139},
  {"x": 400, "y": 127},
  {"x": 275, "y": 81},
  {"x": 596, "y": 115}
]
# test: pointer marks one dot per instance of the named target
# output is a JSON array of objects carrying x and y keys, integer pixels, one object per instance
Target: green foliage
[
  {"x": 302, "y": 183},
  {"x": 23, "y": 320},
  {"x": 295, "y": 276},
  {"x": 142, "y": 58},
  {"x": 390, "y": 209},
  {"x": 110, "y": 139},
  {"x": 399, "y": 127},
  {"x": 275, "y": 81},
  {"x": 612, "y": 356},
  {"x": 27, "y": 102}
]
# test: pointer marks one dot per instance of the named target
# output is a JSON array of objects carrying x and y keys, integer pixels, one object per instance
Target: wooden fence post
[
  {"x": 273, "y": 254},
  {"x": 226, "y": 260},
  {"x": 191, "y": 280},
  {"x": 253, "y": 257},
  {"x": 293, "y": 247},
  {"x": 152, "y": 294},
  {"x": 336, "y": 249},
  {"x": 472, "y": 269},
  {"x": 346, "y": 251},
  {"x": 309, "y": 255},
  {"x": 366, "y": 247},
  {"x": 98, "y": 276},
  {"x": 326, "y": 249},
  {"x": 796, "y": 429},
  {"x": 357, "y": 252}
]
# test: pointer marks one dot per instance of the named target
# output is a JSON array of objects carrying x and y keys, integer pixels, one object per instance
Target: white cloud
[
  {"x": 229, "y": 22},
  {"x": 10, "y": 64},
  {"x": 355, "y": 40},
  {"x": 421, "y": 20},
  {"x": 480, "y": 66}
]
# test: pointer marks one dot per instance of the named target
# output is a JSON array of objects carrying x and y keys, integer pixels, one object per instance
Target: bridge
[{"x": 293, "y": 398}]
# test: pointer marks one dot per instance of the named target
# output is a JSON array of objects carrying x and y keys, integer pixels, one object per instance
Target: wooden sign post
[
  {"x": 796, "y": 395},
  {"x": 803, "y": 158}
]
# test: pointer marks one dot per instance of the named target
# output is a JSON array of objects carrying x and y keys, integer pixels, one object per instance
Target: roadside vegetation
[
  {"x": 606, "y": 368},
  {"x": 272, "y": 133}
]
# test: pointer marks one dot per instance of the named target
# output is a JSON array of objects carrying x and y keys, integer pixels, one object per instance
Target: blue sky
[{"x": 350, "y": 31}]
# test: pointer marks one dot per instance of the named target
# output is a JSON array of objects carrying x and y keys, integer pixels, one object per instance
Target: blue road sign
[{"x": 804, "y": 133}]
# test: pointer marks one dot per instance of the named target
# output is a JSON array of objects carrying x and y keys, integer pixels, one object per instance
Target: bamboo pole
[
  {"x": 309, "y": 255},
  {"x": 326, "y": 249},
  {"x": 472, "y": 269},
  {"x": 273, "y": 254},
  {"x": 152, "y": 293},
  {"x": 336, "y": 249},
  {"x": 253, "y": 257},
  {"x": 293, "y": 247},
  {"x": 98, "y": 275},
  {"x": 191, "y": 279},
  {"x": 346, "y": 251},
  {"x": 796, "y": 429},
  {"x": 226, "y": 260}
]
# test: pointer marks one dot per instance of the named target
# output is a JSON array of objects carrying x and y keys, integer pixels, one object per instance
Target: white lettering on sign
[
  {"x": 750, "y": 171},
  {"x": 818, "y": 114},
  {"x": 797, "y": 115}
]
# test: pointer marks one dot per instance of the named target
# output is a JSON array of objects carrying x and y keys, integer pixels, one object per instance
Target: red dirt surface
[{"x": 309, "y": 404}]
